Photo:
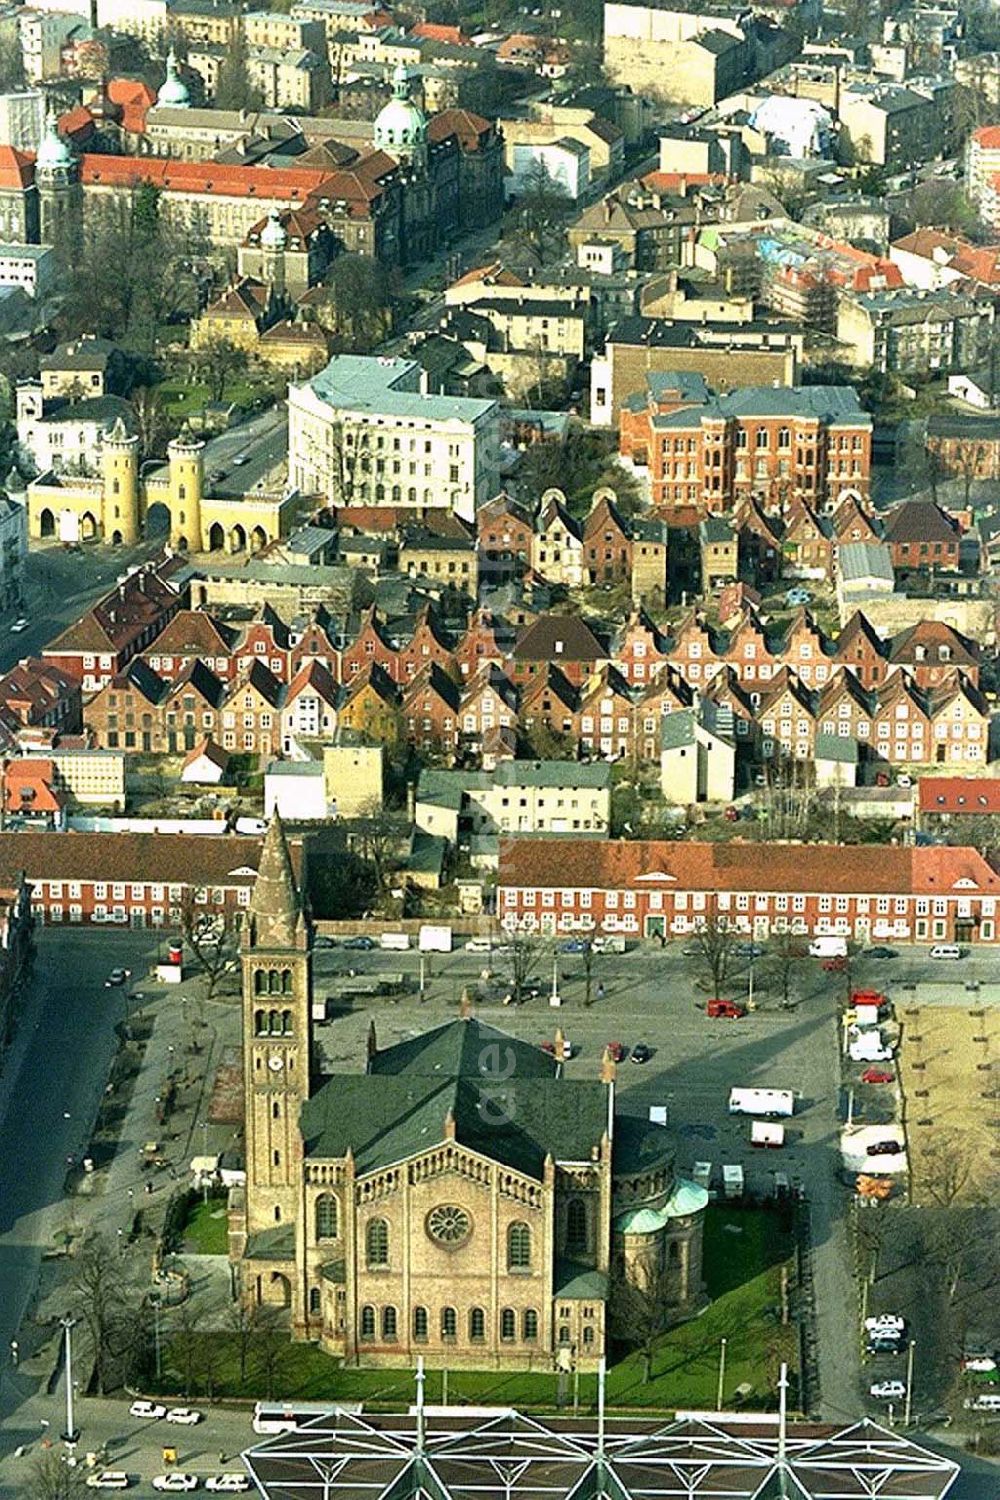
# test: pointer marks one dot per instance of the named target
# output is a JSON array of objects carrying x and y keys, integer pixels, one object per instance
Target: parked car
[
  {"x": 116, "y": 977},
  {"x": 605, "y": 943},
  {"x": 108, "y": 1479},
  {"x": 184, "y": 1416},
  {"x": 879, "y": 952},
  {"x": 227, "y": 1484},
  {"x": 732, "y": 815},
  {"x": 574, "y": 945},
  {"x": 325, "y": 942},
  {"x": 692, "y": 950},
  {"x": 147, "y": 1409},
  {"x": 617, "y": 1051},
  {"x": 979, "y": 1364},
  {"x": 887, "y": 1390},
  {"x": 176, "y": 1483},
  {"x": 361, "y": 944},
  {"x": 641, "y": 1053},
  {"x": 884, "y": 1148},
  {"x": 877, "y": 1075},
  {"x": 567, "y": 1049},
  {"x": 748, "y": 950},
  {"x": 886, "y": 1320},
  {"x": 729, "y": 1010},
  {"x": 884, "y": 1344},
  {"x": 475, "y": 945},
  {"x": 18, "y": 626},
  {"x": 835, "y": 965}
]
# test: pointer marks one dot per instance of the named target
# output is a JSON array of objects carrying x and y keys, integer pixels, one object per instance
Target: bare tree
[
  {"x": 945, "y": 1164},
  {"x": 243, "y": 1322},
  {"x": 587, "y": 959},
  {"x": 271, "y": 1347},
  {"x": 184, "y": 1346},
  {"x": 783, "y": 955},
  {"x": 527, "y": 948},
  {"x": 150, "y": 420},
  {"x": 638, "y": 1314},
  {"x": 218, "y": 361},
  {"x": 52, "y": 1478},
  {"x": 376, "y": 836},
  {"x": 211, "y": 937},
  {"x": 100, "y": 1299},
  {"x": 715, "y": 936}
]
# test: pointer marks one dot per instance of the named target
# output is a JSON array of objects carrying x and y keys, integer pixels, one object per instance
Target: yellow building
[
  {"x": 454, "y": 1197},
  {"x": 119, "y": 507}
]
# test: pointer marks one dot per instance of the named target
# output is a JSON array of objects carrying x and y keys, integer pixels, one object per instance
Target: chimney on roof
[{"x": 121, "y": 591}]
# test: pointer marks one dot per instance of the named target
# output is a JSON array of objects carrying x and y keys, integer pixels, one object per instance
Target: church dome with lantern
[
  {"x": 173, "y": 91},
  {"x": 401, "y": 126}
]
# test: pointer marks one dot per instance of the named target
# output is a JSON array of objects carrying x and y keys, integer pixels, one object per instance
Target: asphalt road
[
  {"x": 60, "y": 587},
  {"x": 50, "y": 1090}
]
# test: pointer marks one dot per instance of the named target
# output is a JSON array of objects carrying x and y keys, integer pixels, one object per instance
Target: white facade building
[
  {"x": 566, "y": 161},
  {"x": 794, "y": 127},
  {"x": 22, "y": 119},
  {"x": 31, "y": 267},
  {"x": 42, "y": 34},
  {"x": 365, "y": 432},
  {"x": 145, "y": 18}
]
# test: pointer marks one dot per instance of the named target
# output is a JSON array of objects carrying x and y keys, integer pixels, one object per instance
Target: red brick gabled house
[
  {"x": 861, "y": 649},
  {"x": 371, "y": 647},
  {"x": 667, "y": 693},
  {"x": 748, "y": 651},
  {"x": 548, "y": 706},
  {"x": 846, "y": 709},
  {"x": 640, "y": 652},
  {"x": 695, "y": 651},
  {"x": 506, "y": 533},
  {"x": 759, "y": 535},
  {"x": 932, "y": 652},
  {"x": 193, "y": 635},
  {"x": 921, "y": 535},
  {"x": 313, "y": 643},
  {"x": 807, "y": 651},
  {"x": 607, "y": 544},
  {"x": 486, "y": 640},
  {"x": 853, "y": 523},
  {"x": 191, "y": 707},
  {"x": 427, "y": 645},
  {"x": 565, "y": 641},
  {"x": 901, "y": 732},
  {"x": 124, "y": 623},
  {"x": 265, "y": 642},
  {"x": 125, "y": 714},
  {"x": 430, "y": 711},
  {"x": 726, "y": 691}
]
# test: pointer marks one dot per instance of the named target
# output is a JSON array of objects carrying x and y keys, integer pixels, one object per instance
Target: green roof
[
  {"x": 677, "y": 729},
  {"x": 686, "y": 1198},
  {"x": 446, "y": 788},
  {"x": 335, "y": 1271},
  {"x": 836, "y": 747},
  {"x": 369, "y": 383},
  {"x": 504, "y": 1097},
  {"x": 272, "y": 1244},
  {"x": 573, "y": 1281},
  {"x": 553, "y": 773}
]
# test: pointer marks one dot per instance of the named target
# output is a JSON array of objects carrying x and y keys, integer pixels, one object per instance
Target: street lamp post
[
  {"x": 722, "y": 1375},
  {"x": 909, "y": 1383},
  {"x": 68, "y": 1324}
]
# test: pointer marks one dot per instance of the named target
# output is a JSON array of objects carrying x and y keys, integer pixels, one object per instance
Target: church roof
[
  {"x": 464, "y": 1081},
  {"x": 275, "y": 906}
]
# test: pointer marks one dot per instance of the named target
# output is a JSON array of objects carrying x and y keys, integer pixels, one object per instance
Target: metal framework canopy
[{"x": 503, "y": 1455}]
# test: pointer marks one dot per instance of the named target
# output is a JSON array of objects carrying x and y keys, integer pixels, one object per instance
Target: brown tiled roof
[
  {"x": 820, "y": 868},
  {"x": 920, "y": 521},
  {"x": 558, "y": 638},
  {"x": 16, "y": 169},
  {"x": 313, "y": 674},
  {"x": 158, "y": 858},
  {"x": 113, "y": 623},
  {"x": 31, "y": 688},
  {"x": 932, "y": 634},
  {"x": 211, "y": 751},
  {"x": 193, "y": 632},
  {"x": 959, "y": 794}
]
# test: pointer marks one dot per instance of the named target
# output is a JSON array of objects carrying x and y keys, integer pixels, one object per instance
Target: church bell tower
[{"x": 277, "y": 991}]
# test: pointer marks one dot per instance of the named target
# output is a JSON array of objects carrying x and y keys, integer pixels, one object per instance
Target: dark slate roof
[
  {"x": 458, "y": 1076},
  {"x": 576, "y": 641},
  {"x": 920, "y": 521}
]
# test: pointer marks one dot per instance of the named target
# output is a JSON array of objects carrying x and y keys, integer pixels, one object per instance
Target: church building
[{"x": 457, "y": 1198}]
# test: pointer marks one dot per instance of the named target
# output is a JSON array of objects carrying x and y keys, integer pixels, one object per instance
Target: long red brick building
[{"x": 649, "y": 889}]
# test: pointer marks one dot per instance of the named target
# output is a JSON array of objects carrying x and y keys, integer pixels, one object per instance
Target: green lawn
[
  {"x": 744, "y": 1250},
  {"x": 205, "y": 1232},
  {"x": 183, "y": 400}
]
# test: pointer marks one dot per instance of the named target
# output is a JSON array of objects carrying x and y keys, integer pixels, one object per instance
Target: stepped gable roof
[{"x": 275, "y": 906}]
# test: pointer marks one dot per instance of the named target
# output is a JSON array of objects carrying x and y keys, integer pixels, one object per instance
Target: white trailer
[
  {"x": 394, "y": 941},
  {"x": 732, "y": 1181},
  {"x": 828, "y": 946},
  {"x": 434, "y": 938},
  {"x": 767, "y": 1133},
  {"x": 773, "y": 1103}
]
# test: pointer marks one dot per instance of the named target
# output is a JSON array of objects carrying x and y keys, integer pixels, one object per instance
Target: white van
[
  {"x": 946, "y": 950},
  {"x": 394, "y": 941},
  {"x": 985, "y": 1402}
]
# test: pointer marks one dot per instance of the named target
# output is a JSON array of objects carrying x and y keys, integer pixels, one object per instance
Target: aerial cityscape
[{"x": 500, "y": 749}]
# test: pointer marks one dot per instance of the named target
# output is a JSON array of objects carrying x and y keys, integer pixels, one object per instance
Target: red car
[
  {"x": 729, "y": 1010},
  {"x": 877, "y": 1075},
  {"x": 834, "y": 965},
  {"x": 617, "y": 1051}
]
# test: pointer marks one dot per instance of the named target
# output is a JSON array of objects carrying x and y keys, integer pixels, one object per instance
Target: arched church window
[
  {"x": 377, "y": 1242},
  {"x": 326, "y": 1217},
  {"x": 576, "y": 1224}
]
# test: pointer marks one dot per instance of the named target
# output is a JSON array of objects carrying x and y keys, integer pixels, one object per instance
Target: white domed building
[
  {"x": 173, "y": 91},
  {"x": 401, "y": 133},
  {"x": 57, "y": 181}
]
